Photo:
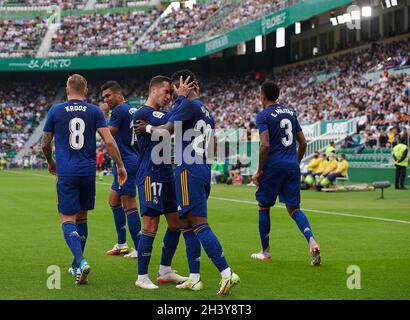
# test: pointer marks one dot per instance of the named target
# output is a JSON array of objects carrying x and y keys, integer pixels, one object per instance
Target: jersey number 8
[{"x": 77, "y": 128}]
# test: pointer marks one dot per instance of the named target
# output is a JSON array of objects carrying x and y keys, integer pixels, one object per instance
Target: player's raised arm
[
  {"x": 48, "y": 151},
  {"x": 114, "y": 153},
  {"x": 182, "y": 91},
  {"x": 300, "y": 137}
]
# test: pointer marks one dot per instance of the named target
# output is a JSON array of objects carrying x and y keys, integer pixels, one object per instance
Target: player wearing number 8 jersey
[
  {"x": 278, "y": 172},
  {"x": 74, "y": 125}
]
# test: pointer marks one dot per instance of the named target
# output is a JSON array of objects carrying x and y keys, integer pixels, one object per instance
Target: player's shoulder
[
  {"x": 142, "y": 112},
  {"x": 262, "y": 114}
]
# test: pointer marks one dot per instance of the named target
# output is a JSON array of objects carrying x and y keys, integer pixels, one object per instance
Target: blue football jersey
[
  {"x": 144, "y": 145},
  {"x": 283, "y": 126},
  {"x": 74, "y": 124},
  {"x": 121, "y": 118},
  {"x": 197, "y": 132}
]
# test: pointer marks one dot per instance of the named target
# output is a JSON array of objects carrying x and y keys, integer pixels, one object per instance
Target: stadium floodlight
[
  {"x": 333, "y": 20},
  {"x": 347, "y": 17},
  {"x": 340, "y": 19},
  {"x": 258, "y": 44},
  {"x": 394, "y": 3},
  {"x": 355, "y": 15},
  {"x": 367, "y": 11},
  {"x": 388, "y": 4},
  {"x": 280, "y": 37},
  {"x": 298, "y": 28}
]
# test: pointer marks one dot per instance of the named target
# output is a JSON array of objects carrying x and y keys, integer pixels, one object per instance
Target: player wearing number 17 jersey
[
  {"x": 74, "y": 125},
  {"x": 278, "y": 171}
]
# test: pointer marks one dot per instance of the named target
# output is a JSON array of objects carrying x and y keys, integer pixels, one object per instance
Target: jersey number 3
[
  {"x": 77, "y": 128},
  {"x": 287, "y": 125}
]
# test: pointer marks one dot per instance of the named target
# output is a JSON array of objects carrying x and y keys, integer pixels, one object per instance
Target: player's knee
[
  {"x": 150, "y": 231},
  {"x": 151, "y": 226},
  {"x": 263, "y": 208}
]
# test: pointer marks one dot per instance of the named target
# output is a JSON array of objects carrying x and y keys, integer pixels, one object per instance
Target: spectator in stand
[{"x": 382, "y": 141}]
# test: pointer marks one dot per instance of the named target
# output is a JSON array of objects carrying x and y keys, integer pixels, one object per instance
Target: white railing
[
  {"x": 311, "y": 131},
  {"x": 335, "y": 132}
]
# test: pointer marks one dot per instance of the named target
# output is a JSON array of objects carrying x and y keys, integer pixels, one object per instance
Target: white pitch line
[
  {"x": 317, "y": 211},
  {"x": 254, "y": 203}
]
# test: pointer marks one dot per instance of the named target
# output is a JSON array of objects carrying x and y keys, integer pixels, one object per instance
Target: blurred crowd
[
  {"x": 177, "y": 26},
  {"x": 234, "y": 13},
  {"x": 341, "y": 91},
  {"x": 65, "y": 4},
  {"x": 119, "y": 33},
  {"x": 21, "y": 109},
  {"x": 90, "y": 33},
  {"x": 326, "y": 89}
]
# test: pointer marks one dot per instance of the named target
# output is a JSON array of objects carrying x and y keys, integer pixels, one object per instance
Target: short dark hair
[
  {"x": 112, "y": 85},
  {"x": 158, "y": 80},
  {"x": 184, "y": 73},
  {"x": 271, "y": 90},
  {"x": 343, "y": 155}
]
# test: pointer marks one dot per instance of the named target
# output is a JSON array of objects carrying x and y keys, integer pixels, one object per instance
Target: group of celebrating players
[{"x": 133, "y": 138}]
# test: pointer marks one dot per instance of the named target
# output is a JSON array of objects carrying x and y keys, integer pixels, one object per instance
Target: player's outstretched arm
[
  {"x": 263, "y": 154},
  {"x": 48, "y": 151},
  {"x": 300, "y": 137},
  {"x": 114, "y": 153},
  {"x": 141, "y": 127}
]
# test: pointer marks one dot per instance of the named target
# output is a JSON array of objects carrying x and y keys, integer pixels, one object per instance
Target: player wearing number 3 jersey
[
  {"x": 278, "y": 171},
  {"x": 74, "y": 125}
]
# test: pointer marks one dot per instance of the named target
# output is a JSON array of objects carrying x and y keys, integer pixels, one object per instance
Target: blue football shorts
[
  {"x": 75, "y": 194},
  {"x": 281, "y": 182}
]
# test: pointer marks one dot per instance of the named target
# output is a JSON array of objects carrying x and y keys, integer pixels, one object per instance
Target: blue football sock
[
  {"x": 144, "y": 251},
  {"x": 169, "y": 245},
  {"x": 264, "y": 227},
  {"x": 211, "y": 245},
  {"x": 193, "y": 249},
  {"x": 134, "y": 225},
  {"x": 82, "y": 229},
  {"x": 119, "y": 219},
  {"x": 72, "y": 238},
  {"x": 303, "y": 224}
]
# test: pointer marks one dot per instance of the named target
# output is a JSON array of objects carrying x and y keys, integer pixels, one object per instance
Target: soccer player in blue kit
[
  {"x": 122, "y": 198},
  {"x": 193, "y": 177},
  {"x": 74, "y": 124},
  {"x": 278, "y": 172},
  {"x": 156, "y": 187}
]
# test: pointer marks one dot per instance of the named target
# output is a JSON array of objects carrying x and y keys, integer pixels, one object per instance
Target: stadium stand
[
  {"x": 21, "y": 109},
  {"x": 40, "y": 4},
  {"x": 93, "y": 34},
  {"x": 382, "y": 107}
]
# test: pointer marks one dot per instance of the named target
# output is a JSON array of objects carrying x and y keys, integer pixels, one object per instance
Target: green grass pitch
[{"x": 32, "y": 240}]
